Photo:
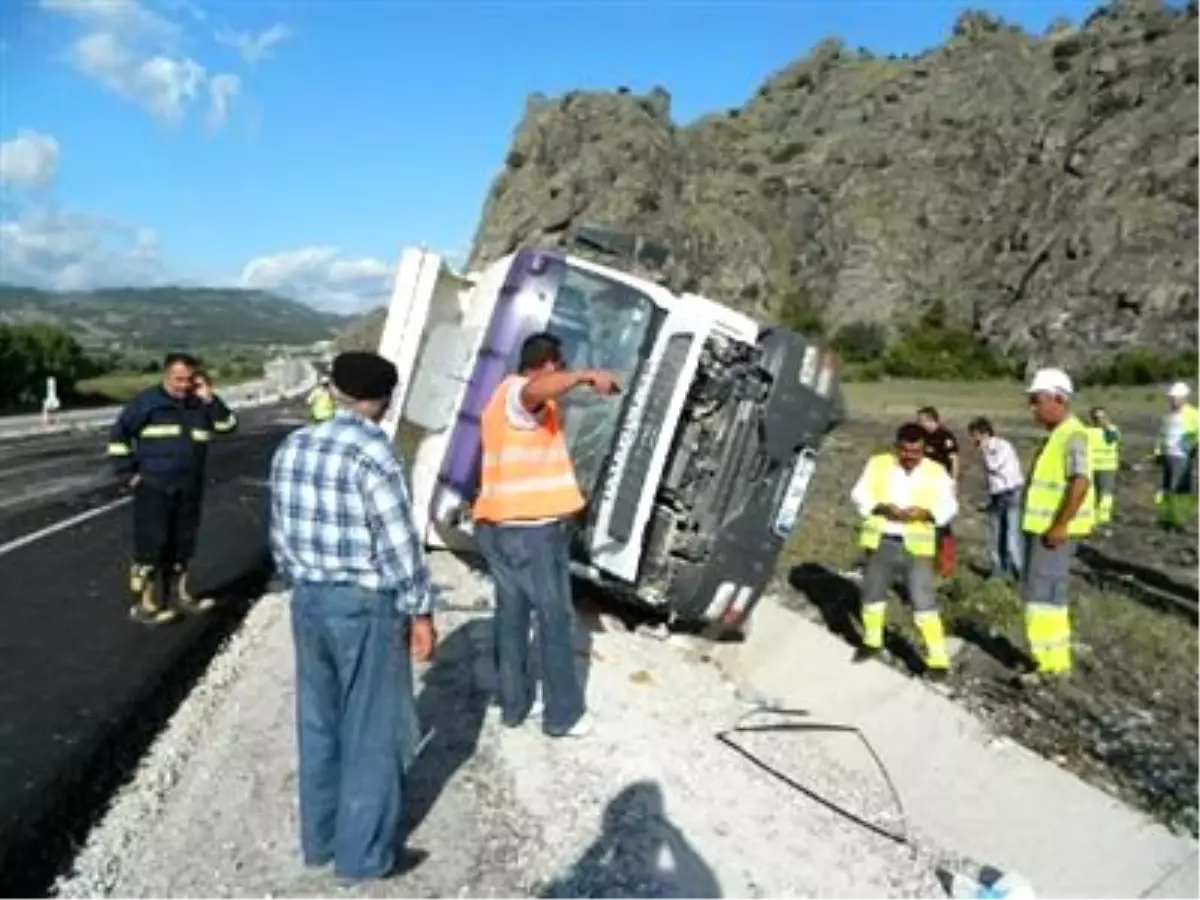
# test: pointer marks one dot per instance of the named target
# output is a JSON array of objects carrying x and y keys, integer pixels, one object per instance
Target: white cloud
[
  {"x": 221, "y": 91},
  {"x": 131, "y": 19},
  {"x": 30, "y": 160},
  {"x": 67, "y": 250},
  {"x": 187, "y": 7},
  {"x": 255, "y": 47},
  {"x": 322, "y": 277},
  {"x": 134, "y": 53}
]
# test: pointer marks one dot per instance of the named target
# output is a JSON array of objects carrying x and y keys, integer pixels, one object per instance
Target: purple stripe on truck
[{"x": 523, "y": 308}]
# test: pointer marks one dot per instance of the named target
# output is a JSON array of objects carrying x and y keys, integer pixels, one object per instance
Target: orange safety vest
[{"x": 526, "y": 473}]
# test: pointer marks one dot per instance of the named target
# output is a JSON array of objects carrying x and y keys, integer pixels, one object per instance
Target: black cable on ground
[{"x": 725, "y": 737}]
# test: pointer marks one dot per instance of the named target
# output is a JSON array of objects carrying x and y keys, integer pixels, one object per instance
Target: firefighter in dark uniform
[{"x": 159, "y": 444}]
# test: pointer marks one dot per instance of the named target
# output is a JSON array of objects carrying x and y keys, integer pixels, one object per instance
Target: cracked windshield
[{"x": 603, "y": 324}]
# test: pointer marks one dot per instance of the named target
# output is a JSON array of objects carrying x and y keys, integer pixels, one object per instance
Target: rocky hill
[
  {"x": 116, "y": 319},
  {"x": 1042, "y": 190}
]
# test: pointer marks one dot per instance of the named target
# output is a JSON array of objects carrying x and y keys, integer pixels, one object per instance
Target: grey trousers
[
  {"x": 891, "y": 561},
  {"x": 1047, "y": 572},
  {"x": 1176, "y": 475}
]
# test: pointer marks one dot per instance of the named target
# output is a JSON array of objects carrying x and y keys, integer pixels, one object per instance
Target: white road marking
[{"x": 28, "y": 539}]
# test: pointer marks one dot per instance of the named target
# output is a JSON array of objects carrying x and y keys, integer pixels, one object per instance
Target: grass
[
  {"x": 1002, "y": 401},
  {"x": 117, "y": 387}
]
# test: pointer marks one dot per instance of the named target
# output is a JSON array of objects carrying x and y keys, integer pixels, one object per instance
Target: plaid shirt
[{"x": 340, "y": 512}]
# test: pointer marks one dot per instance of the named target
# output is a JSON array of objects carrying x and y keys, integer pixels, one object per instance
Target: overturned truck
[{"x": 695, "y": 473}]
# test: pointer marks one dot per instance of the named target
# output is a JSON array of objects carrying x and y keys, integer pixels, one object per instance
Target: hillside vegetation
[
  {"x": 1037, "y": 194},
  {"x": 156, "y": 319}
]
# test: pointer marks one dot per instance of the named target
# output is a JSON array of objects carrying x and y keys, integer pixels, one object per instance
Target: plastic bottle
[{"x": 990, "y": 884}]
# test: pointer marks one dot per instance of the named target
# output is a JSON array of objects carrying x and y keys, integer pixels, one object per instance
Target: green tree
[{"x": 31, "y": 353}]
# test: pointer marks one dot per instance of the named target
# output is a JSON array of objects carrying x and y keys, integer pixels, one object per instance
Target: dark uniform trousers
[{"x": 166, "y": 519}]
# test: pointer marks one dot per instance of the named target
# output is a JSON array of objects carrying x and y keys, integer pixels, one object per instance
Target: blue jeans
[
  {"x": 530, "y": 567},
  {"x": 355, "y": 721},
  {"x": 1006, "y": 543}
]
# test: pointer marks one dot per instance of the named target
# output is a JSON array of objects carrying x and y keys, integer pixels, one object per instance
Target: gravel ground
[
  {"x": 650, "y": 804},
  {"x": 1127, "y": 720}
]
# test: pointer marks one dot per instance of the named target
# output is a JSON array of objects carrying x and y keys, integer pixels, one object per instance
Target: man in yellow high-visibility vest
[
  {"x": 321, "y": 405},
  {"x": 903, "y": 498},
  {"x": 1176, "y": 455},
  {"x": 1104, "y": 441},
  {"x": 1060, "y": 509}
]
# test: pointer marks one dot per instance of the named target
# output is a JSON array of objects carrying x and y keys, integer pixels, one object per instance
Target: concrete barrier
[{"x": 302, "y": 378}]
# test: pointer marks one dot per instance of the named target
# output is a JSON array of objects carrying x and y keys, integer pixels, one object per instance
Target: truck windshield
[{"x": 603, "y": 324}]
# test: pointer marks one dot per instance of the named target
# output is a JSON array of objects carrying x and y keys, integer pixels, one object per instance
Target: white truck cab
[{"x": 695, "y": 473}]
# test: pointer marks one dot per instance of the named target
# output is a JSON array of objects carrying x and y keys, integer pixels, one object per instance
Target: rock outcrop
[{"x": 1042, "y": 190}]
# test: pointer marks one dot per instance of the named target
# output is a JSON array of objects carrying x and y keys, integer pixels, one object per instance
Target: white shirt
[
  {"x": 899, "y": 493},
  {"x": 1171, "y": 434},
  {"x": 518, "y": 415},
  {"x": 1002, "y": 465}
]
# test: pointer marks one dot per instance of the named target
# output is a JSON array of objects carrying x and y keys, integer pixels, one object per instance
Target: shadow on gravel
[
  {"x": 998, "y": 646},
  {"x": 455, "y": 695},
  {"x": 627, "y": 860},
  {"x": 454, "y": 706},
  {"x": 839, "y": 602},
  {"x": 39, "y": 849}
]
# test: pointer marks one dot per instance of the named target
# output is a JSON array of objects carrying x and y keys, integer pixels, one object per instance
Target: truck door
[{"x": 431, "y": 333}]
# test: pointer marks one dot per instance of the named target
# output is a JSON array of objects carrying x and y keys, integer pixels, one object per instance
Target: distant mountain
[
  {"x": 170, "y": 317},
  {"x": 363, "y": 332}
]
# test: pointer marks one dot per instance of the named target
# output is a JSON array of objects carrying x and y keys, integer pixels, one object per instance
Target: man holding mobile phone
[{"x": 159, "y": 445}]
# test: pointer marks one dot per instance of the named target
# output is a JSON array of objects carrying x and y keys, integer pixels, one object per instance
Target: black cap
[{"x": 362, "y": 375}]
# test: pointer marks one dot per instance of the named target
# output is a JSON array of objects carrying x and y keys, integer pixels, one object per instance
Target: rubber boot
[
  {"x": 147, "y": 608},
  {"x": 185, "y": 602}
]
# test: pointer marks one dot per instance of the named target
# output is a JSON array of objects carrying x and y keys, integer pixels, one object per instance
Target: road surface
[{"x": 83, "y": 689}]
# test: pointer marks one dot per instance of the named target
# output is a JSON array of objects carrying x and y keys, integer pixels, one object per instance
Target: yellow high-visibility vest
[
  {"x": 1047, "y": 486},
  {"x": 320, "y": 405},
  {"x": 1106, "y": 457},
  {"x": 918, "y": 536}
]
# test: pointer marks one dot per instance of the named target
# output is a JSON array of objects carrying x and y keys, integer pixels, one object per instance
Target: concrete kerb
[{"x": 964, "y": 789}]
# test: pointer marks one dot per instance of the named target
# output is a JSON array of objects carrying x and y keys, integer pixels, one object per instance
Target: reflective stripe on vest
[
  {"x": 1047, "y": 485},
  {"x": 161, "y": 431},
  {"x": 918, "y": 536},
  {"x": 1105, "y": 456},
  {"x": 525, "y": 473}
]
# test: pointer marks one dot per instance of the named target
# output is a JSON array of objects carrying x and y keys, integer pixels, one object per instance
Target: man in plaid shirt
[{"x": 342, "y": 535}]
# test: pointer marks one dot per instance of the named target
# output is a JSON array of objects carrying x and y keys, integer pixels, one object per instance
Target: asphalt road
[{"x": 82, "y": 688}]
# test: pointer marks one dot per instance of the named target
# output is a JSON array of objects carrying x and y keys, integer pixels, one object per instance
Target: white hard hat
[
  {"x": 1179, "y": 390},
  {"x": 1051, "y": 381}
]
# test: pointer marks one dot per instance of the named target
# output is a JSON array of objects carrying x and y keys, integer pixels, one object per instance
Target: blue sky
[{"x": 297, "y": 145}]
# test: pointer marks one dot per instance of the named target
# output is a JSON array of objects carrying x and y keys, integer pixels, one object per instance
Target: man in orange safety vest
[{"x": 528, "y": 494}]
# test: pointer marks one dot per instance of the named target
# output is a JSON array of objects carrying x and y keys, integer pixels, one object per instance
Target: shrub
[
  {"x": 1141, "y": 366},
  {"x": 860, "y": 342},
  {"x": 937, "y": 352}
]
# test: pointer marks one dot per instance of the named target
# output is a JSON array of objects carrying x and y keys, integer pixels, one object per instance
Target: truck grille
[{"x": 637, "y": 463}]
